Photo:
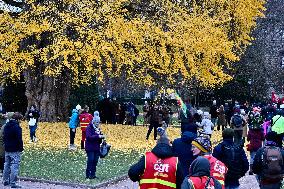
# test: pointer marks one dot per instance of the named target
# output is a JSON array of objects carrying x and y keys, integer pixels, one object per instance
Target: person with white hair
[
  {"x": 94, "y": 138},
  {"x": 213, "y": 112},
  {"x": 206, "y": 124}
]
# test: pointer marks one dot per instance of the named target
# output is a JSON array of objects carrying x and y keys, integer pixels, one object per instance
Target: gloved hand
[{"x": 101, "y": 136}]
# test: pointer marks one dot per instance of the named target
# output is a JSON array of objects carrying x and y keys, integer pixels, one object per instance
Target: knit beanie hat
[
  {"x": 78, "y": 107},
  {"x": 228, "y": 133},
  {"x": 163, "y": 136},
  {"x": 96, "y": 114},
  {"x": 96, "y": 121},
  {"x": 203, "y": 143},
  {"x": 271, "y": 136}
]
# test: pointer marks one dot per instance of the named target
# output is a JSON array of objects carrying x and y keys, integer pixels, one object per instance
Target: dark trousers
[
  {"x": 72, "y": 136},
  {"x": 32, "y": 132},
  {"x": 271, "y": 186},
  {"x": 134, "y": 120},
  {"x": 222, "y": 127},
  {"x": 93, "y": 158},
  {"x": 155, "y": 125},
  {"x": 2, "y": 161}
]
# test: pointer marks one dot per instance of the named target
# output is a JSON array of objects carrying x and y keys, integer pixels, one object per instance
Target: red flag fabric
[{"x": 274, "y": 97}]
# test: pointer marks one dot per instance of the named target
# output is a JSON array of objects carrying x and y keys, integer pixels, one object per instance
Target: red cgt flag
[{"x": 274, "y": 97}]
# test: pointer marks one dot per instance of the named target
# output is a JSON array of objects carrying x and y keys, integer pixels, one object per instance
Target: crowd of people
[
  {"x": 191, "y": 162},
  {"x": 113, "y": 112},
  {"x": 188, "y": 162}
]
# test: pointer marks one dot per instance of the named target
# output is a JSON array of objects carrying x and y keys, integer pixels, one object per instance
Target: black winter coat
[
  {"x": 182, "y": 150},
  {"x": 258, "y": 165},
  {"x": 13, "y": 141}
]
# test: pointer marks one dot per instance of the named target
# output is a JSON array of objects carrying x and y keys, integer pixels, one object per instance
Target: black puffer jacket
[
  {"x": 182, "y": 149},
  {"x": 162, "y": 151},
  {"x": 13, "y": 141}
]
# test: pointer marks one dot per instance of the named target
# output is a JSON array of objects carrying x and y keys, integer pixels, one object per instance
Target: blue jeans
[
  {"x": 93, "y": 158},
  {"x": 271, "y": 186},
  {"x": 33, "y": 131},
  {"x": 11, "y": 167},
  {"x": 252, "y": 155},
  {"x": 214, "y": 120}
]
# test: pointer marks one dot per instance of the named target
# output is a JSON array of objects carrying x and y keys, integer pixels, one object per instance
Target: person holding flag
[{"x": 185, "y": 115}]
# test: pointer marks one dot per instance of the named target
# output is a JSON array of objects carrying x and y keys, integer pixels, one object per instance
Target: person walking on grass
[
  {"x": 154, "y": 117},
  {"x": 13, "y": 144},
  {"x": 33, "y": 116},
  {"x": 73, "y": 124},
  {"x": 221, "y": 121},
  {"x": 85, "y": 118},
  {"x": 213, "y": 112},
  {"x": 94, "y": 138}
]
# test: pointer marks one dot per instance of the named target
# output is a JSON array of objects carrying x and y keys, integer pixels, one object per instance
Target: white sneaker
[
  {"x": 72, "y": 147},
  {"x": 30, "y": 142},
  {"x": 35, "y": 139}
]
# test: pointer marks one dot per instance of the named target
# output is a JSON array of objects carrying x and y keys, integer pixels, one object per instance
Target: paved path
[{"x": 247, "y": 182}]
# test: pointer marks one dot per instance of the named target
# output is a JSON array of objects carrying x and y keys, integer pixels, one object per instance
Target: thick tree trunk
[{"x": 50, "y": 95}]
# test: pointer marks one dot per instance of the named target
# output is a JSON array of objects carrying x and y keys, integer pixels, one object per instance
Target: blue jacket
[
  {"x": 182, "y": 150},
  {"x": 13, "y": 141},
  {"x": 74, "y": 120},
  {"x": 243, "y": 162}
]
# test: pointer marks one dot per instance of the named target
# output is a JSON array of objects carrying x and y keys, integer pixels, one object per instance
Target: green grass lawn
[{"x": 69, "y": 166}]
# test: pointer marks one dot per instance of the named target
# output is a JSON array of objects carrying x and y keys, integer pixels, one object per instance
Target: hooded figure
[
  {"x": 156, "y": 164},
  {"x": 231, "y": 155},
  {"x": 199, "y": 176},
  {"x": 73, "y": 124},
  {"x": 96, "y": 114},
  {"x": 182, "y": 149},
  {"x": 201, "y": 146}
]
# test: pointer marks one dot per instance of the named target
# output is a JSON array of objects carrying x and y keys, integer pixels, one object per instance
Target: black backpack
[
  {"x": 272, "y": 161},
  {"x": 217, "y": 184},
  {"x": 237, "y": 121},
  {"x": 232, "y": 157}
]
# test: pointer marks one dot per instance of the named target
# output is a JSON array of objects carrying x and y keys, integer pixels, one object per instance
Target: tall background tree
[
  {"x": 260, "y": 70},
  {"x": 59, "y": 44}
]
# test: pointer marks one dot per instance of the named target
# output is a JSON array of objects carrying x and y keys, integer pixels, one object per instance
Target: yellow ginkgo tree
[{"x": 55, "y": 44}]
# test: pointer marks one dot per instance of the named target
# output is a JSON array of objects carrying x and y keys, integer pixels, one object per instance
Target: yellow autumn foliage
[
  {"x": 105, "y": 38},
  {"x": 121, "y": 137}
]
